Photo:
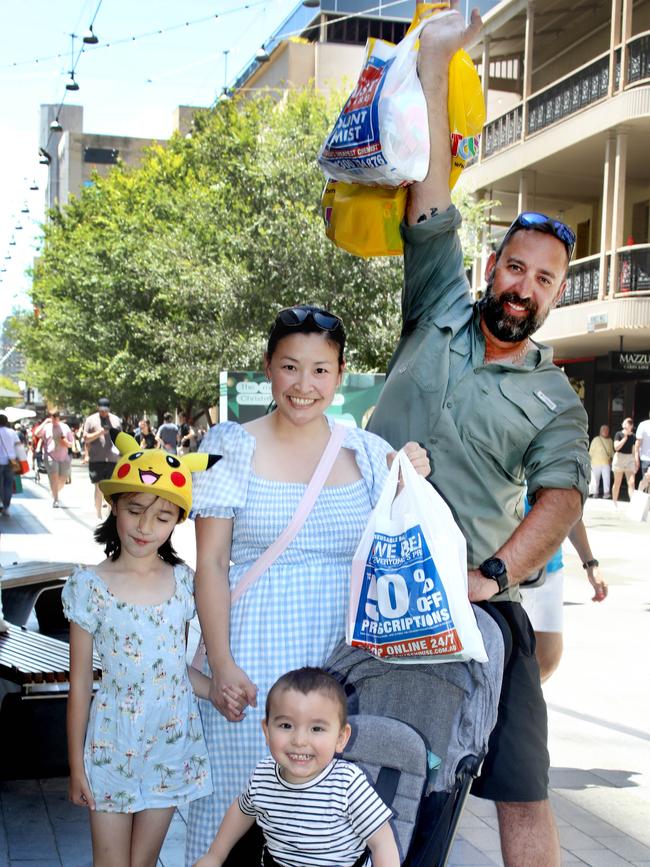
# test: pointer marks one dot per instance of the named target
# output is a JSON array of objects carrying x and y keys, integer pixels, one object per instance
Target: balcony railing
[
  {"x": 503, "y": 132},
  {"x": 576, "y": 91},
  {"x": 638, "y": 63},
  {"x": 570, "y": 94},
  {"x": 582, "y": 282},
  {"x": 634, "y": 269},
  {"x": 584, "y": 275}
]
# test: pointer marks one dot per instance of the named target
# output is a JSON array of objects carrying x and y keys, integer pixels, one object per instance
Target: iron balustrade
[
  {"x": 565, "y": 97},
  {"x": 638, "y": 62},
  {"x": 582, "y": 282},
  {"x": 503, "y": 131},
  {"x": 634, "y": 269}
]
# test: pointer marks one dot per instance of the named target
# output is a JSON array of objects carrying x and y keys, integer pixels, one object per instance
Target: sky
[{"x": 130, "y": 88}]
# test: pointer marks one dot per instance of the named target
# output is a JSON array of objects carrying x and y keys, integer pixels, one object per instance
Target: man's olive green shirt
[{"x": 490, "y": 429}]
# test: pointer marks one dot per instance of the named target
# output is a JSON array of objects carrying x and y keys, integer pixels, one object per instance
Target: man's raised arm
[{"x": 439, "y": 41}]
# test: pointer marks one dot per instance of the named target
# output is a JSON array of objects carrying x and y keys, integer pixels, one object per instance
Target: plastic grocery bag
[
  {"x": 381, "y": 135},
  {"x": 408, "y": 597}
]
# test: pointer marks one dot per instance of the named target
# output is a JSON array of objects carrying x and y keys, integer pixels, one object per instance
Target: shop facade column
[
  {"x": 523, "y": 196},
  {"x": 626, "y": 34},
  {"x": 606, "y": 207},
  {"x": 618, "y": 209},
  {"x": 528, "y": 65},
  {"x": 614, "y": 40}
]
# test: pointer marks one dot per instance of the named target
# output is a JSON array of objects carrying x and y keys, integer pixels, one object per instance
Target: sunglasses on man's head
[
  {"x": 533, "y": 219},
  {"x": 294, "y": 316}
]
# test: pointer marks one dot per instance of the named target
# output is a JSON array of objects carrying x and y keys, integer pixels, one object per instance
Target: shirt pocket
[{"x": 511, "y": 423}]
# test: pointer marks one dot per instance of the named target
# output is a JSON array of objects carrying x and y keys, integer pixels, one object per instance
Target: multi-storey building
[
  {"x": 72, "y": 155},
  {"x": 568, "y": 96}
]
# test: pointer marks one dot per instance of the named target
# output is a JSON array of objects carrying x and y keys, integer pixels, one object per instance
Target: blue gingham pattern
[{"x": 294, "y": 614}]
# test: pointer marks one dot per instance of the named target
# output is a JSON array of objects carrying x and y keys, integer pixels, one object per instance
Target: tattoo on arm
[{"x": 423, "y": 217}]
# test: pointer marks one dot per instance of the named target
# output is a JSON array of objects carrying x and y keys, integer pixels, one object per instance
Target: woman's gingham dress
[{"x": 294, "y": 614}]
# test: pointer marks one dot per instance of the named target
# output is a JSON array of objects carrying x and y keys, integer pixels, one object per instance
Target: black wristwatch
[
  {"x": 495, "y": 569},
  {"x": 590, "y": 563}
]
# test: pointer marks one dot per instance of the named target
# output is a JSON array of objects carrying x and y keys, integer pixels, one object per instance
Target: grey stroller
[{"x": 420, "y": 732}]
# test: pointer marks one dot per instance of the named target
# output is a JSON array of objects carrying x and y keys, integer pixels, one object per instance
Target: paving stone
[
  {"x": 483, "y": 838},
  {"x": 575, "y": 840},
  {"x": 463, "y": 854},
  {"x": 604, "y": 858},
  {"x": 627, "y": 847}
]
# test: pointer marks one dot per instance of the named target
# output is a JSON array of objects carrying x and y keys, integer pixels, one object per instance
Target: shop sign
[
  {"x": 246, "y": 394},
  {"x": 630, "y": 361}
]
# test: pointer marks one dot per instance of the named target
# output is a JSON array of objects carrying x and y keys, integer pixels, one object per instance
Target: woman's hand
[
  {"x": 231, "y": 691},
  {"x": 598, "y": 583},
  {"x": 417, "y": 456},
  {"x": 79, "y": 791}
]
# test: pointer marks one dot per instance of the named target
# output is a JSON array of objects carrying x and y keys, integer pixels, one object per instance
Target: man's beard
[{"x": 503, "y": 326}]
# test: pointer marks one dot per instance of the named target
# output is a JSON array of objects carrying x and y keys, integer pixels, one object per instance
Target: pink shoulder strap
[{"x": 301, "y": 514}]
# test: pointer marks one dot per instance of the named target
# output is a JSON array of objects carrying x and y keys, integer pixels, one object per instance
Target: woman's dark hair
[
  {"x": 4, "y": 421},
  {"x": 309, "y": 325},
  {"x": 106, "y": 535}
]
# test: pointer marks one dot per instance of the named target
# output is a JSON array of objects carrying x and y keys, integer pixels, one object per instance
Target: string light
[{"x": 135, "y": 38}]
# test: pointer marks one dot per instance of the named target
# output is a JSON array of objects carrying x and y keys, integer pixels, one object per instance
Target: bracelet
[{"x": 590, "y": 563}]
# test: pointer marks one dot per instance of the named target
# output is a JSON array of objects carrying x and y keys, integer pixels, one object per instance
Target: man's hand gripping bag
[{"x": 408, "y": 595}]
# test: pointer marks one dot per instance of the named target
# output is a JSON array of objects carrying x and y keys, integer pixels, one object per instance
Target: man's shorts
[
  {"x": 517, "y": 762},
  {"x": 545, "y": 605},
  {"x": 57, "y": 468},
  {"x": 99, "y": 471}
]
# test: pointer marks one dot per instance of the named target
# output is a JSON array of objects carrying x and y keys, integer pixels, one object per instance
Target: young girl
[{"x": 138, "y": 752}]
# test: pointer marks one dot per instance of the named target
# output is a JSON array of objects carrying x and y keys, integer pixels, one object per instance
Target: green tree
[{"x": 156, "y": 278}]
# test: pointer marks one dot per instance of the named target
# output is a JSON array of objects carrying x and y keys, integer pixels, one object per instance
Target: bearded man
[{"x": 469, "y": 383}]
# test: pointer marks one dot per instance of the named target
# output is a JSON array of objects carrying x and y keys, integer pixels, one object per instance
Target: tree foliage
[{"x": 156, "y": 278}]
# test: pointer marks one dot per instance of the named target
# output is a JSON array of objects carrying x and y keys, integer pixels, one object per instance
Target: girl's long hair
[{"x": 106, "y": 535}]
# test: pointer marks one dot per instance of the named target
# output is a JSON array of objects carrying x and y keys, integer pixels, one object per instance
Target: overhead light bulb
[
  {"x": 12, "y": 243},
  {"x": 72, "y": 84},
  {"x": 262, "y": 55},
  {"x": 89, "y": 36},
  {"x": 55, "y": 126},
  {"x": 19, "y": 225},
  {"x": 33, "y": 185},
  {"x": 311, "y": 4},
  {"x": 24, "y": 209}
]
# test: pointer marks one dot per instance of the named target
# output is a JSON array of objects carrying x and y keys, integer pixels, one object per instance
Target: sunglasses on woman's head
[
  {"x": 294, "y": 316},
  {"x": 533, "y": 219}
]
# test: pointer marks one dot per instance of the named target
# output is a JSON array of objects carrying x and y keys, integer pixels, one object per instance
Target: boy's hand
[{"x": 79, "y": 791}]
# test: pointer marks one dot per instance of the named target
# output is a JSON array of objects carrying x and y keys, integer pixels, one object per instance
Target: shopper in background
[{"x": 601, "y": 452}]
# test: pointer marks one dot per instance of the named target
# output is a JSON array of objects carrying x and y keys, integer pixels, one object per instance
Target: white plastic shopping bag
[
  {"x": 381, "y": 135},
  {"x": 408, "y": 597}
]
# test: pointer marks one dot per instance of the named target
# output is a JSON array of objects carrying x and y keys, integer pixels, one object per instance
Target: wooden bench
[
  {"x": 40, "y": 665},
  {"x": 23, "y": 583},
  {"x": 35, "y": 677}
]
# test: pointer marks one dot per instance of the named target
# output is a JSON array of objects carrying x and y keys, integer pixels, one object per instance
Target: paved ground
[{"x": 599, "y": 703}]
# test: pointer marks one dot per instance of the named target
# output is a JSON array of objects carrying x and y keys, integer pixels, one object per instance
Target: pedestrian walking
[
  {"x": 8, "y": 461},
  {"x": 642, "y": 447},
  {"x": 167, "y": 434},
  {"x": 138, "y": 753},
  {"x": 144, "y": 436},
  {"x": 56, "y": 441},
  {"x": 99, "y": 451},
  {"x": 626, "y": 460},
  {"x": 601, "y": 452}
]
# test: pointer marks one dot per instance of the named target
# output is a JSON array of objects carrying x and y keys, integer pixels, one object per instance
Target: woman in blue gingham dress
[{"x": 294, "y": 614}]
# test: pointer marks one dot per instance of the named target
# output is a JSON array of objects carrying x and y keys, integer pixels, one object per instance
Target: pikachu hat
[{"x": 155, "y": 471}]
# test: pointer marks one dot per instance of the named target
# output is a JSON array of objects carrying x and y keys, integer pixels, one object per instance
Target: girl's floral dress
[{"x": 144, "y": 744}]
